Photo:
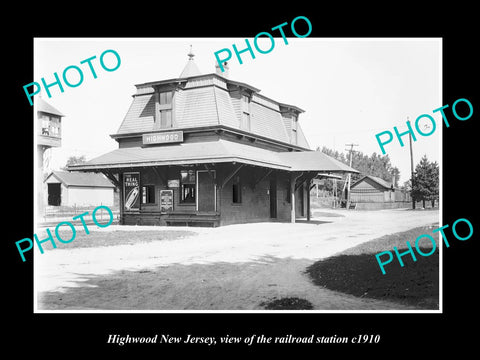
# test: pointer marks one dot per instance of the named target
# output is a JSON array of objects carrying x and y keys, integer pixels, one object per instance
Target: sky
[{"x": 350, "y": 89}]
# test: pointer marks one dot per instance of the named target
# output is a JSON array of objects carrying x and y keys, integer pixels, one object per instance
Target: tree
[
  {"x": 374, "y": 165},
  {"x": 435, "y": 171},
  {"x": 74, "y": 160},
  {"x": 425, "y": 181}
]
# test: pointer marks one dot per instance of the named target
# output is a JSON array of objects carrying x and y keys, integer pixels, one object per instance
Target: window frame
[
  {"x": 164, "y": 109},
  {"x": 165, "y": 122},
  {"x": 148, "y": 192},
  {"x": 167, "y": 101},
  {"x": 294, "y": 130},
  {"x": 245, "y": 121},
  {"x": 236, "y": 183},
  {"x": 190, "y": 185},
  {"x": 50, "y": 126}
]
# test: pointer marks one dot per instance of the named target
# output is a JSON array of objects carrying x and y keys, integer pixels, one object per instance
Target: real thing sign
[
  {"x": 163, "y": 137},
  {"x": 131, "y": 191}
]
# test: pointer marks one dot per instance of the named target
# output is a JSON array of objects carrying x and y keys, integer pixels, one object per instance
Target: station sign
[{"x": 163, "y": 137}]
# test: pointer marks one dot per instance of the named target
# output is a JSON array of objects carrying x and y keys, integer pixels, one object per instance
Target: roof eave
[
  {"x": 296, "y": 108},
  {"x": 213, "y": 128},
  {"x": 99, "y": 167},
  {"x": 185, "y": 79}
]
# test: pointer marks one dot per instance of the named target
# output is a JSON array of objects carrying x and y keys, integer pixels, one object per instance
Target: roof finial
[
  {"x": 191, "y": 54},
  {"x": 191, "y": 68}
]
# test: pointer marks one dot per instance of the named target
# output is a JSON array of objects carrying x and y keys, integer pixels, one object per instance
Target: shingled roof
[
  {"x": 205, "y": 100},
  {"x": 385, "y": 184},
  {"x": 45, "y": 107},
  {"x": 80, "y": 179},
  {"x": 219, "y": 151}
]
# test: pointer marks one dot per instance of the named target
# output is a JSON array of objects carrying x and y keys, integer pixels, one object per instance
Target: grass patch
[
  {"x": 356, "y": 271},
  {"x": 111, "y": 238},
  {"x": 289, "y": 303}
]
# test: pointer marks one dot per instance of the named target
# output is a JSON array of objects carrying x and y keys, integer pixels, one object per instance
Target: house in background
[
  {"x": 49, "y": 135},
  {"x": 371, "y": 192},
  {"x": 78, "y": 189}
]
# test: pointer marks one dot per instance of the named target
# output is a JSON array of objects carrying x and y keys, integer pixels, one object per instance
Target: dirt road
[{"x": 228, "y": 268}]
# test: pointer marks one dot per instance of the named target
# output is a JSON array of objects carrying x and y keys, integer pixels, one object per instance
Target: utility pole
[
  {"x": 349, "y": 174},
  {"x": 411, "y": 166}
]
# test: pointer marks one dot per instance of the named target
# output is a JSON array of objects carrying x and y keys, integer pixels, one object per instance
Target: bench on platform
[{"x": 193, "y": 219}]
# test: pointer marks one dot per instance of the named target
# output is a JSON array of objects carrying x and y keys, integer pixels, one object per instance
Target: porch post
[
  {"x": 292, "y": 197},
  {"x": 120, "y": 197},
  {"x": 308, "y": 199}
]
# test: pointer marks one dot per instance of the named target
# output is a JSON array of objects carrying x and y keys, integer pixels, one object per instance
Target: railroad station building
[{"x": 205, "y": 150}]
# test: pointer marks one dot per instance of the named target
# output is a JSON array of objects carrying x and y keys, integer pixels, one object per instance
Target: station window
[
  {"x": 165, "y": 109},
  {"x": 148, "y": 194},
  {"x": 165, "y": 98},
  {"x": 166, "y": 119},
  {"x": 236, "y": 191},
  {"x": 245, "y": 125},
  {"x": 187, "y": 186},
  {"x": 294, "y": 130},
  {"x": 245, "y": 120}
]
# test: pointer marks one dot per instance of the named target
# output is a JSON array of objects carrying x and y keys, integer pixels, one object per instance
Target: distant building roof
[
  {"x": 381, "y": 182},
  {"x": 81, "y": 179},
  {"x": 45, "y": 107}
]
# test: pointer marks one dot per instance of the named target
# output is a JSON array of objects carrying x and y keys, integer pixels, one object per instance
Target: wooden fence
[{"x": 53, "y": 213}]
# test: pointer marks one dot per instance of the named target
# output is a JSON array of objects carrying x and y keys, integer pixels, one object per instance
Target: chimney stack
[{"x": 218, "y": 71}]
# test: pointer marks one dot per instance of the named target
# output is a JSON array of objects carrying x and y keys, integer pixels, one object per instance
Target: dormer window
[
  {"x": 245, "y": 120},
  {"x": 245, "y": 102},
  {"x": 166, "y": 98},
  {"x": 164, "y": 118},
  {"x": 294, "y": 130}
]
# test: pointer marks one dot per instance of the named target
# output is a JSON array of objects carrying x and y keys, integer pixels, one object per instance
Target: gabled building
[
  {"x": 78, "y": 189},
  {"x": 372, "y": 189},
  {"x": 49, "y": 134},
  {"x": 208, "y": 150},
  {"x": 49, "y": 125}
]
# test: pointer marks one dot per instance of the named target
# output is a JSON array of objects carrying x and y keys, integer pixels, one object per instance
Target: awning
[
  {"x": 220, "y": 151},
  {"x": 313, "y": 161}
]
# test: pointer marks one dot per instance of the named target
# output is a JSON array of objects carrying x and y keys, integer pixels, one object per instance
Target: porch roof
[
  {"x": 221, "y": 151},
  {"x": 313, "y": 161}
]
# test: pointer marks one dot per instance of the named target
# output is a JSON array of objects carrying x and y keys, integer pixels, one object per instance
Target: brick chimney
[{"x": 218, "y": 71}]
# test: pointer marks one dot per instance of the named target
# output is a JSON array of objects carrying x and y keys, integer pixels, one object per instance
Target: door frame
[
  {"x": 214, "y": 189},
  {"x": 49, "y": 195},
  {"x": 273, "y": 201}
]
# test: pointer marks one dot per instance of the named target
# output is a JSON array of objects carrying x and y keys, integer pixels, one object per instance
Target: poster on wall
[
  {"x": 131, "y": 191},
  {"x": 166, "y": 200}
]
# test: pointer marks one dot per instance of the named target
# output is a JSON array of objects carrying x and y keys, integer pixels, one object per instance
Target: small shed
[
  {"x": 78, "y": 189},
  {"x": 372, "y": 189}
]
